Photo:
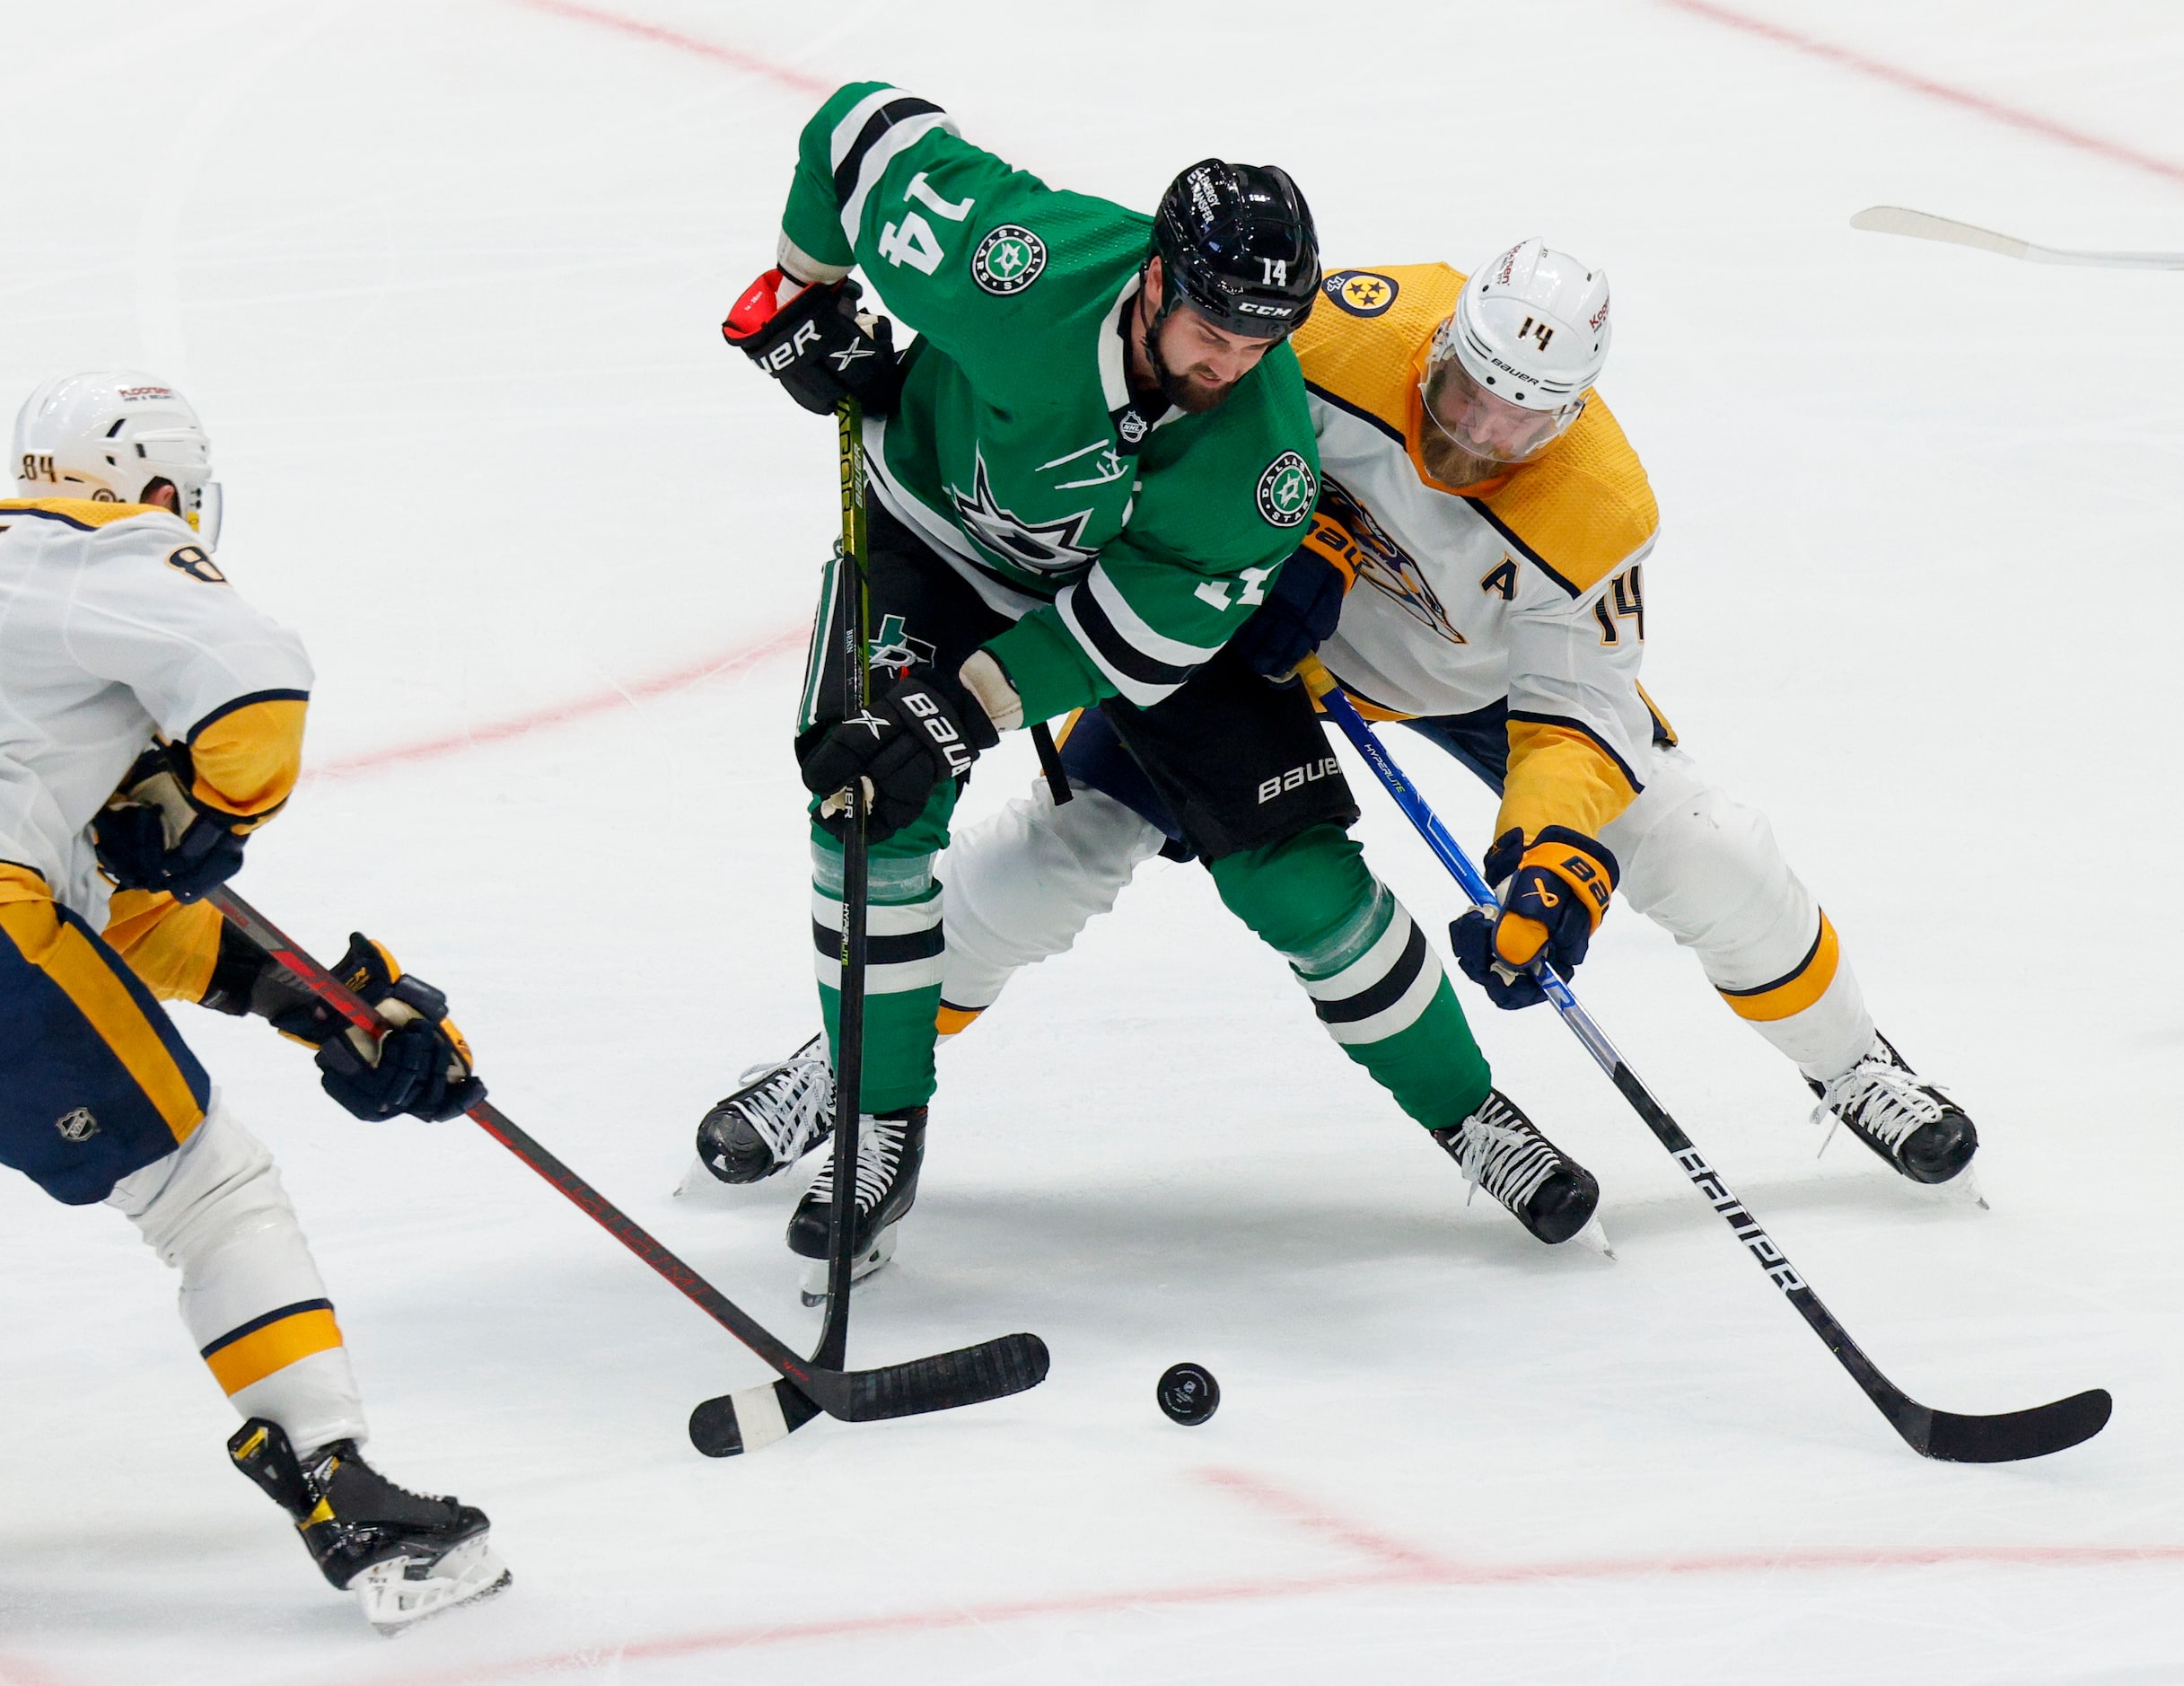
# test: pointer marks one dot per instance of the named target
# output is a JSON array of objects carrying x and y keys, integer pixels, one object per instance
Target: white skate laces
[
  {"x": 879, "y": 1153},
  {"x": 1502, "y": 1150},
  {"x": 1879, "y": 1097},
  {"x": 790, "y": 1105}
]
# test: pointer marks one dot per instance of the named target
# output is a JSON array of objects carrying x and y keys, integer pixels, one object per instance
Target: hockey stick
[
  {"x": 850, "y": 599},
  {"x": 1931, "y": 1433},
  {"x": 1894, "y": 219},
  {"x": 757, "y": 1416}
]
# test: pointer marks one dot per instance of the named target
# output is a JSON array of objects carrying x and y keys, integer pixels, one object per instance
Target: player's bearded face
[
  {"x": 1468, "y": 425},
  {"x": 1196, "y": 364}
]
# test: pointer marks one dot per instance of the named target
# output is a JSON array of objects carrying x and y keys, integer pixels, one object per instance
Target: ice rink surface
[{"x": 443, "y": 279}]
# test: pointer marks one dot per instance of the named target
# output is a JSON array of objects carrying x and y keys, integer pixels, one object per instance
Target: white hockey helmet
[
  {"x": 108, "y": 435},
  {"x": 1510, "y": 368}
]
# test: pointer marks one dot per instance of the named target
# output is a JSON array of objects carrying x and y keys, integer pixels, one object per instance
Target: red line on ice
[
  {"x": 1396, "y": 1563},
  {"x": 732, "y": 55},
  {"x": 2031, "y": 121},
  {"x": 562, "y": 714}
]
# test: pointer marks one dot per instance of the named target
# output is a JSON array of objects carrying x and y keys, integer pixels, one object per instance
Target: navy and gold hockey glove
[
  {"x": 817, "y": 343},
  {"x": 902, "y": 746},
  {"x": 1297, "y": 618},
  {"x": 420, "y": 1066},
  {"x": 1558, "y": 892},
  {"x": 154, "y": 834}
]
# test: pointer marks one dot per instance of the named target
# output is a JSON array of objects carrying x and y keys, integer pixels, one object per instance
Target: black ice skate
[
  {"x": 890, "y": 1150},
  {"x": 780, "y": 1114},
  {"x": 1919, "y": 1130},
  {"x": 1502, "y": 1152},
  {"x": 405, "y": 1557}
]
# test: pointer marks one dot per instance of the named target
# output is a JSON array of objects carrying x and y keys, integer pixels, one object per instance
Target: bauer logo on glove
[{"x": 1557, "y": 890}]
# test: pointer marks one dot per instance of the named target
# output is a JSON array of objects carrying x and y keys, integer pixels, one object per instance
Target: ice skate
[
  {"x": 861, "y": 1265},
  {"x": 1917, "y": 1129},
  {"x": 405, "y": 1557},
  {"x": 780, "y": 1114},
  {"x": 890, "y": 1151},
  {"x": 1503, "y": 1150}
]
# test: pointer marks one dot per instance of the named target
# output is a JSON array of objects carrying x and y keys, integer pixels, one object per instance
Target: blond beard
[{"x": 1450, "y": 464}]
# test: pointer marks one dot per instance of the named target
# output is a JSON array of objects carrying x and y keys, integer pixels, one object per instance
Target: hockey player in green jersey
[{"x": 1085, "y": 473}]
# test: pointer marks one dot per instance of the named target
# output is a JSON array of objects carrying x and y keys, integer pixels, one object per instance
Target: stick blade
[
  {"x": 1896, "y": 219},
  {"x": 744, "y": 1421},
  {"x": 970, "y": 1376},
  {"x": 2016, "y": 1436}
]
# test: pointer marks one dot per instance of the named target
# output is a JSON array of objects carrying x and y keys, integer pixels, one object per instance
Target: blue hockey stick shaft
[{"x": 1935, "y": 1434}]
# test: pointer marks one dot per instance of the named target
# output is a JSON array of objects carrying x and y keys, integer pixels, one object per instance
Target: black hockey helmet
[{"x": 1236, "y": 244}]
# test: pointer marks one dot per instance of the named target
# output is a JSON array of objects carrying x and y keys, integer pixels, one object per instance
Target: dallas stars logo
[
  {"x": 1008, "y": 259},
  {"x": 1286, "y": 490},
  {"x": 1046, "y": 547}
]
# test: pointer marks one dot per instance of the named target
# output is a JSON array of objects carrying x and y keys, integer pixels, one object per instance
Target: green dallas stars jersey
[{"x": 1126, "y": 548}]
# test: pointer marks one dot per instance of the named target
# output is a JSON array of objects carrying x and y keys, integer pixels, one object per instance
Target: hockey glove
[
  {"x": 1558, "y": 892},
  {"x": 420, "y": 1066},
  {"x": 154, "y": 834},
  {"x": 1298, "y": 616},
  {"x": 817, "y": 343},
  {"x": 923, "y": 731}
]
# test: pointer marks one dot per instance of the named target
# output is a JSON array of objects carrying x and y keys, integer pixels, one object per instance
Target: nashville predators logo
[
  {"x": 1361, "y": 292},
  {"x": 1383, "y": 564}
]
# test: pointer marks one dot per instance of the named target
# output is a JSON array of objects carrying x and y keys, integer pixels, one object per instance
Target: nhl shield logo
[
  {"x": 1288, "y": 490},
  {"x": 1008, "y": 259},
  {"x": 79, "y": 1126}
]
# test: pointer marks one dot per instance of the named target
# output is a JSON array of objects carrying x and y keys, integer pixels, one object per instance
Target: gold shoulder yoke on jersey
[
  {"x": 1359, "y": 345},
  {"x": 86, "y": 514},
  {"x": 1584, "y": 509}
]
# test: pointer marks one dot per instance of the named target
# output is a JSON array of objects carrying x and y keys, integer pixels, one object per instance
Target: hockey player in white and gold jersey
[
  {"x": 150, "y": 720},
  {"x": 1476, "y": 570}
]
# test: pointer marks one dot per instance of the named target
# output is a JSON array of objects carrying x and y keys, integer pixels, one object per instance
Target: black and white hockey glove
[
  {"x": 923, "y": 731},
  {"x": 817, "y": 343},
  {"x": 155, "y": 835}
]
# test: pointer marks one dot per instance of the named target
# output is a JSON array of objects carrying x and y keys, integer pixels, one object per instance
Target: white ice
[{"x": 444, "y": 278}]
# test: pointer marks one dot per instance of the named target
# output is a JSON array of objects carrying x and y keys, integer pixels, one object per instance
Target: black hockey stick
[
  {"x": 850, "y": 616},
  {"x": 1944, "y": 1435},
  {"x": 991, "y": 1369}
]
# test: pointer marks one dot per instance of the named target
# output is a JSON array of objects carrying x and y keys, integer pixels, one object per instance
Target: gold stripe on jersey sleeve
[
  {"x": 1791, "y": 995},
  {"x": 1582, "y": 509},
  {"x": 1560, "y": 775},
  {"x": 78, "y": 512},
  {"x": 248, "y": 754},
  {"x": 1663, "y": 732},
  {"x": 172, "y": 946}
]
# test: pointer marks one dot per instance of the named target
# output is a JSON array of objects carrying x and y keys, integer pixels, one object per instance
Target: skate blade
[
  {"x": 696, "y": 1178},
  {"x": 1592, "y": 1238},
  {"x": 401, "y": 1592},
  {"x": 815, "y": 1273},
  {"x": 1961, "y": 1189}
]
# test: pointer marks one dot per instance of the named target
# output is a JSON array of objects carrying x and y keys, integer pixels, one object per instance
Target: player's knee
[
  {"x": 218, "y": 1183},
  {"x": 1298, "y": 895}
]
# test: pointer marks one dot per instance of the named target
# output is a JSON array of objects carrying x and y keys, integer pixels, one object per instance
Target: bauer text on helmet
[
  {"x": 1510, "y": 368},
  {"x": 118, "y": 437}
]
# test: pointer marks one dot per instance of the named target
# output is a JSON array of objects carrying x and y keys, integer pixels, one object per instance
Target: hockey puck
[{"x": 1188, "y": 1394}]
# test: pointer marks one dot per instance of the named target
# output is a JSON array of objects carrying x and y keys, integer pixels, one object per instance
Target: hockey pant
[
  {"x": 1701, "y": 865},
  {"x": 101, "y": 1099}
]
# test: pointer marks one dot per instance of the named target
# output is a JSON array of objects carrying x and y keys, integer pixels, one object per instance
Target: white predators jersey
[
  {"x": 1526, "y": 589},
  {"x": 116, "y": 626}
]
